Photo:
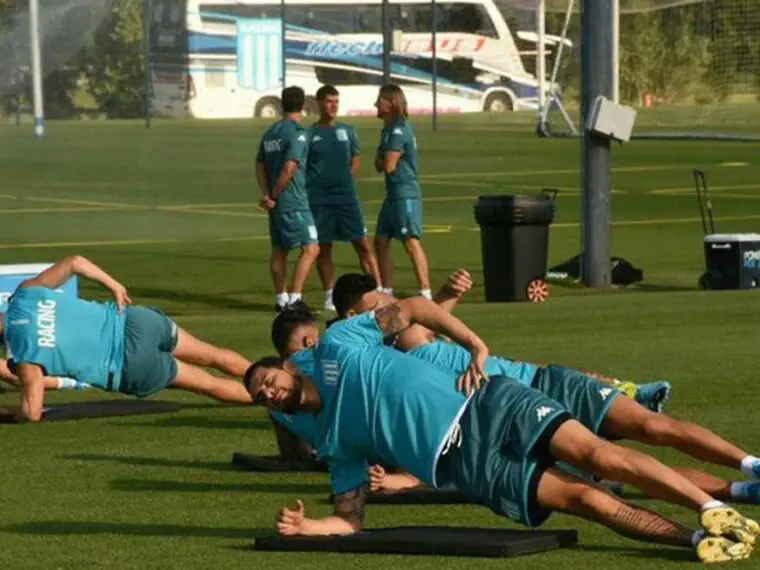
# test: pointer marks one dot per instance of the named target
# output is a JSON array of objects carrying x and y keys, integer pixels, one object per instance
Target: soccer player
[
  {"x": 333, "y": 160},
  {"x": 280, "y": 172},
  {"x": 497, "y": 447},
  {"x": 110, "y": 346},
  {"x": 400, "y": 216}
]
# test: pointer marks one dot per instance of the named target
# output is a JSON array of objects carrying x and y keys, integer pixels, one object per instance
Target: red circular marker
[{"x": 538, "y": 291}]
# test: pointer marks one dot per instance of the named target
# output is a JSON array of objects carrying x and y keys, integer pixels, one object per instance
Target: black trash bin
[{"x": 514, "y": 236}]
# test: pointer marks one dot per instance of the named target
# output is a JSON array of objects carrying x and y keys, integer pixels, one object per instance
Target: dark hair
[
  {"x": 326, "y": 91},
  {"x": 266, "y": 362},
  {"x": 286, "y": 323},
  {"x": 349, "y": 288},
  {"x": 395, "y": 94},
  {"x": 293, "y": 99}
]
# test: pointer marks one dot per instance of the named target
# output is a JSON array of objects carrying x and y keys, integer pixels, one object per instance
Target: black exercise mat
[
  {"x": 416, "y": 497},
  {"x": 434, "y": 541},
  {"x": 98, "y": 409},
  {"x": 273, "y": 464}
]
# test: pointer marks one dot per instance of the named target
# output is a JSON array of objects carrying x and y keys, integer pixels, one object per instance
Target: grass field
[{"x": 170, "y": 212}]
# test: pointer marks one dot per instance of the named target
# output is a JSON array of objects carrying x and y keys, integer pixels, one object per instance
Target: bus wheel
[
  {"x": 498, "y": 103},
  {"x": 311, "y": 108},
  {"x": 268, "y": 108}
]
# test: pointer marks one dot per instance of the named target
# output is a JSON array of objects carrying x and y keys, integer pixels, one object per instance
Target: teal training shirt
[
  {"x": 402, "y": 183},
  {"x": 380, "y": 404},
  {"x": 66, "y": 336},
  {"x": 328, "y": 167},
  {"x": 284, "y": 141},
  {"x": 457, "y": 358}
]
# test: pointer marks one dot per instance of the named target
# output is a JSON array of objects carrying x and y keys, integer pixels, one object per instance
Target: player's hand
[
  {"x": 376, "y": 478},
  {"x": 379, "y": 162},
  {"x": 290, "y": 521},
  {"x": 475, "y": 375},
  {"x": 120, "y": 296},
  {"x": 458, "y": 283},
  {"x": 267, "y": 203}
]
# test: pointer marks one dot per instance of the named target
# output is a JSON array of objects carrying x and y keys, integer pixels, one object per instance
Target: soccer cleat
[
  {"x": 747, "y": 493},
  {"x": 725, "y": 521},
  {"x": 329, "y": 306},
  {"x": 714, "y": 549},
  {"x": 653, "y": 395},
  {"x": 279, "y": 308},
  {"x": 299, "y": 306},
  {"x": 627, "y": 388}
]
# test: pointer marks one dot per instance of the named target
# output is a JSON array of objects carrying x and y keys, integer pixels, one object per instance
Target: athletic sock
[
  {"x": 749, "y": 465},
  {"x": 282, "y": 299},
  {"x": 328, "y": 295},
  {"x": 294, "y": 298},
  {"x": 387, "y": 290},
  {"x": 742, "y": 489},
  {"x": 712, "y": 505},
  {"x": 426, "y": 293},
  {"x": 697, "y": 537}
]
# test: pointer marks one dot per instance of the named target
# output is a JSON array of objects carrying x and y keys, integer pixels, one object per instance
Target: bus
[{"x": 214, "y": 59}]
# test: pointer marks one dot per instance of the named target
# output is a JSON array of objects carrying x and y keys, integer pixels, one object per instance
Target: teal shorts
[
  {"x": 400, "y": 219},
  {"x": 587, "y": 399},
  {"x": 150, "y": 337},
  {"x": 339, "y": 222},
  {"x": 506, "y": 431},
  {"x": 289, "y": 230}
]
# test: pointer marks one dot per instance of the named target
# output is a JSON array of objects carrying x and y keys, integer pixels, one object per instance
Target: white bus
[{"x": 223, "y": 59}]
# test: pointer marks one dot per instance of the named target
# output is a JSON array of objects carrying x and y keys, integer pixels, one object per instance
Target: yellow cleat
[
  {"x": 725, "y": 521},
  {"x": 627, "y": 388},
  {"x": 715, "y": 549}
]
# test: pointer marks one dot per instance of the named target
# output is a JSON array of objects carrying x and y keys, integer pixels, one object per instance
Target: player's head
[
  {"x": 356, "y": 293},
  {"x": 294, "y": 330},
  {"x": 328, "y": 100},
  {"x": 275, "y": 384},
  {"x": 293, "y": 99},
  {"x": 391, "y": 103}
]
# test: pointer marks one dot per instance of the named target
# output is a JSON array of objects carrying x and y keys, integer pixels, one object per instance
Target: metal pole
[
  {"x": 283, "y": 46},
  {"x": 387, "y": 40},
  {"x": 541, "y": 56},
  {"x": 596, "y": 80},
  {"x": 434, "y": 25},
  {"x": 34, "y": 38},
  {"x": 148, "y": 72},
  {"x": 616, "y": 51}
]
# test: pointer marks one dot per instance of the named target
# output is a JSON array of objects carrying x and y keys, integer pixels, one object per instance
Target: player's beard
[{"x": 292, "y": 403}]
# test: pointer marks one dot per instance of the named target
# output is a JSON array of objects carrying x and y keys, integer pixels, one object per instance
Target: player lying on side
[
  {"x": 110, "y": 346},
  {"x": 498, "y": 446}
]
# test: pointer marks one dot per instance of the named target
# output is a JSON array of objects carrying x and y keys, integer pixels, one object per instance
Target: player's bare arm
[
  {"x": 355, "y": 164},
  {"x": 56, "y": 275},
  {"x": 390, "y": 161},
  {"x": 32, "y": 387},
  {"x": 262, "y": 180},
  {"x": 394, "y": 318},
  {"x": 348, "y": 517},
  {"x": 286, "y": 175}
]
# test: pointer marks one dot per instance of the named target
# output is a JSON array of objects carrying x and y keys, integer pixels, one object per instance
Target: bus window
[{"x": 467, "y": 18}]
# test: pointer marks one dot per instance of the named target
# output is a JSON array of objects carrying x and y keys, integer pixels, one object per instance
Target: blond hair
[{"x": 395, "y": 95}]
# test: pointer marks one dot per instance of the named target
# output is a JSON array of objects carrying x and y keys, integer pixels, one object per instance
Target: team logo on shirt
[
  {"x": 342, "y": 135},
  {"x": 272, "y": 146},
  {"x": 301, "y": 138},
  {"x": 316, "y": 138},
  {"x": 46, "y": 324},
  {"x": 398, "y": 131},
  {"x": 604, "y": 392},
  {"x": 543, "y": 411}
]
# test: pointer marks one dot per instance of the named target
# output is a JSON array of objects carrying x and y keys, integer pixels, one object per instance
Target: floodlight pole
[
  {"x": 541, "y": 55},
  {"x": 148, "y": 72},
  {"x": 596, "y": 80},
  {"x": 34, "y": 37},
  {"x": 434, "y": 32},
  {"x": 616, "y": 51},
  {"x": 387, "y": 41},
  {"x": 283, "y": 42}
]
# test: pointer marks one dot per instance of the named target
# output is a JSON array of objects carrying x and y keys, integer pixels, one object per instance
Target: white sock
[
  {"x": 379, "y": 289},
  {"x": 282, "y": 299},
  {"x": 712, "y": 505},
  {"x": 387, "y": 290},
  {"x": 747, "y": 464},
  {"x": 738, "y": 489},
  {"x": 328, "y": 295},
  {"x": 426, "y": 293},
  {"x": 294, "y": 298},
  {"x": 697, "y": 537}
]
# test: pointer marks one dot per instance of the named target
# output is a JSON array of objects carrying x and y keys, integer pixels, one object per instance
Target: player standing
[
  {"x": 280, "y": 172},
  {"x": 401, "y": 213},
  {"x": 333, "y": 159}
]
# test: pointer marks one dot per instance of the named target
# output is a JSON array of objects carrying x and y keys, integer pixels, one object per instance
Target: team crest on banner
[{"x": 259, "y": 53}]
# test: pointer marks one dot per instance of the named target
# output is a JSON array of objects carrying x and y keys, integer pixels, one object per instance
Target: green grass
[{"x": 171, "y": 213}]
